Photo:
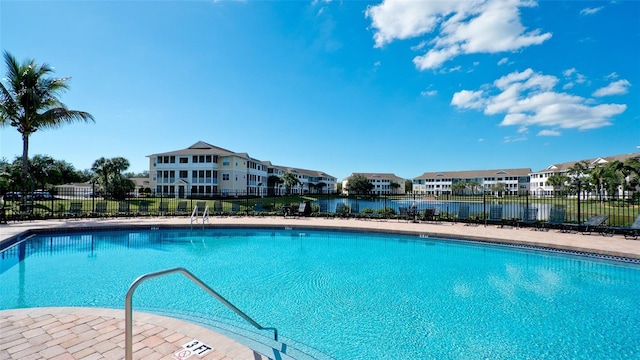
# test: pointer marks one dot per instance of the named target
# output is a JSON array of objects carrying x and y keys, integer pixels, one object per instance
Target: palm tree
[
  {"x": 557, "y": 181},
  {"x": 30, "y": 102}
]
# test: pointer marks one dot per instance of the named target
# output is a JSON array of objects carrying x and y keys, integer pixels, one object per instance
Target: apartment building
[
  {"x": 505, "y": 181},
  {"x": 309, "y": 181},
  {"x": 203, "y": 169},
  {"x": 382, "y": 183},
  {"x": 539, "y": 186}
]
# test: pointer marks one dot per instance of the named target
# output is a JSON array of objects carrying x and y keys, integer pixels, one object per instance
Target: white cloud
[
  {"x": 459, "y": 27},
  {"x": 590, "y": 11},
  {"x": 527, "y": 99},
  {"x": 549, "y": 133},
  {"x": 619, "y": 87},
  {"x": 569, "y": 72},
  {"x": 429, "y": 93},
  {"x": 468, "y": 99},
  {"x": 613, "y": 75},
  {"x": 503, "y": 61},
  {"x": 510, "y": 139}
]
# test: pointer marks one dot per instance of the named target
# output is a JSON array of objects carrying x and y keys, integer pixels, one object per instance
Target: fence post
[{"x": 579, "y": 218}]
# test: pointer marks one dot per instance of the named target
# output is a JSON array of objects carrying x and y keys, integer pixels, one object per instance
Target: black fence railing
[{"x": 620, "y": 211}]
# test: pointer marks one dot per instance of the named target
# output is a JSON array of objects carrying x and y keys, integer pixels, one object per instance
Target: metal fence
[{"x": 621, "y": 211}]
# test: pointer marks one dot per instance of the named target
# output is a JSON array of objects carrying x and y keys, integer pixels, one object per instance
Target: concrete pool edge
[{"x": 608, "y": 247}]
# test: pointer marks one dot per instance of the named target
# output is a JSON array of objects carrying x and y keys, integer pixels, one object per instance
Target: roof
[
  {"x": 200, "y": 148},
  {"x": 472, "y": 174},
  {"x": 376, "y": 176},
  {"x": 561, "y": 167}
]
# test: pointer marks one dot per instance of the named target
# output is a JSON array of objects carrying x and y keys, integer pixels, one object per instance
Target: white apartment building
[
  {"x": 539, "y": 186},
  {"x": 203, "y": 169},
  {"x": 382, "y": 183},
  {"x": 309, "y": 181},
  {"x": 514, "y": 181}
]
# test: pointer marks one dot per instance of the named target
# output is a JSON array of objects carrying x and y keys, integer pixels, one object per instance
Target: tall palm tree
[{"x": 30, "y": 102}]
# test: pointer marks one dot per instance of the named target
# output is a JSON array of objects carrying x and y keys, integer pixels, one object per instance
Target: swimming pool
[{"x": 349, "y": 295}]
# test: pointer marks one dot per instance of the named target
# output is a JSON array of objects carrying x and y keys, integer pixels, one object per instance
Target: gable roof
[
  {"x": 472, "y": 174},
  {"x": 199, "y": 148},
  {"x": 561, "y": 167}
]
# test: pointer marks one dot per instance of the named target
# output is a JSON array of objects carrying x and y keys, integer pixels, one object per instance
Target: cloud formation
[
  {"x": 590, "y": 11},
  {"x": 619, "y": 87},
  {"x": 527, "y": 99},
  {"x": 460, "y": 27}
]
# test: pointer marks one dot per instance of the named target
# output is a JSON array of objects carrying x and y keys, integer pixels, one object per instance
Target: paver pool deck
[{"x": 90, "y": 333}]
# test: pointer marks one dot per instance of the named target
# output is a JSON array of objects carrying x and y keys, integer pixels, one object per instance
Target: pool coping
[{"x": 613, "y": 248}]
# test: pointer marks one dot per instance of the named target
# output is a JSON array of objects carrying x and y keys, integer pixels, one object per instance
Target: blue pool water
[{"x": 349, "y": 295}]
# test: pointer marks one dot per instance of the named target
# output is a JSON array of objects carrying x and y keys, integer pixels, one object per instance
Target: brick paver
[{"x": 31, "y": 342}]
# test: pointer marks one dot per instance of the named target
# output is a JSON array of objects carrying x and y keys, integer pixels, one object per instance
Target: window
[
  {"x": 184, "y": 174},
  {"x": 225, "y": 177},
  {"x": 225, "y": 161},
  {"x": 184, "y": 160}
]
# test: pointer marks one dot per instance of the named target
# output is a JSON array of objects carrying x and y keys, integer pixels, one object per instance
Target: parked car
[
  {"x": 13, "y": 196},
  {"x": 42, "y": 195}
]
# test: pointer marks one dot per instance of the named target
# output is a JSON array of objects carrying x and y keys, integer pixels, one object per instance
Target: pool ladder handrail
[
  {"x": 128, "y": 314},
  {"x": 205, "y": 215}
]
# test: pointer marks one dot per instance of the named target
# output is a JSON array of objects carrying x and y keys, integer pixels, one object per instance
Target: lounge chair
[
  {"x": 235, "y": 208},
  {"x": 530, "y": 218},
  {"x": 403, "y": 213},
  {"x": 143, "y": 208},
  {"x": 304, "y": 209},
  {"x": 464, "y": 215},
  {"x": 354, "y": 210},
  {"x": 101, "y": 208},
  {"x": 630, "y": 232},
  {"x": 75, "y": 209},
  {"x": 431, "y": 214},
  {"x": 123, "y": 208},
  {"x": 258, "y": 209},
  {"x": 495, "y": 215},
  {"x": 163, "y": 208},
  {"x": 181, "y": 209},
  {"x": 556, "y": 219},
  {"x": 594, "y": 223},
  {"x": 217, "y": 208},
  {"x": 200, "y": 205}
]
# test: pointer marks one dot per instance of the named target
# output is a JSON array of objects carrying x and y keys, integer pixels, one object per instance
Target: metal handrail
[
  {"x": 205, "y": 215},
  {"x": 128, "y": 315},
  {"x": 193, "y": 214}
]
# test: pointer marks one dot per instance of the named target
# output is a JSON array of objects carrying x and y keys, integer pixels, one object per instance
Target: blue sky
[{"x": 339, "y": 86}]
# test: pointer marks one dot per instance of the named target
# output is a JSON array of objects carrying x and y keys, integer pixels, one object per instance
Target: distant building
[
  {"x": 539, "y": 186},
  {"x": 506, "y": 181},
  {"x": 203, "y": 169},
  {"x": 383, "y": 184}
]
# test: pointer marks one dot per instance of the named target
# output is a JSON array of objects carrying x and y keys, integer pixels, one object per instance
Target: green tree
[
  {"x": 498, "y": 188},
  {"x": 473, "y": 186},
  {"x": 408, "y": 186},
  {"x": 458, "y": 188},
  {"x": 110, "y": 178},
  {"x": 290, "y": 180},
  {"x": 394, "y": 187},
  {"x": 358, "y": 184},
  {"x": 30, "y": 102},
  {"x": 557, "y": 181}
]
